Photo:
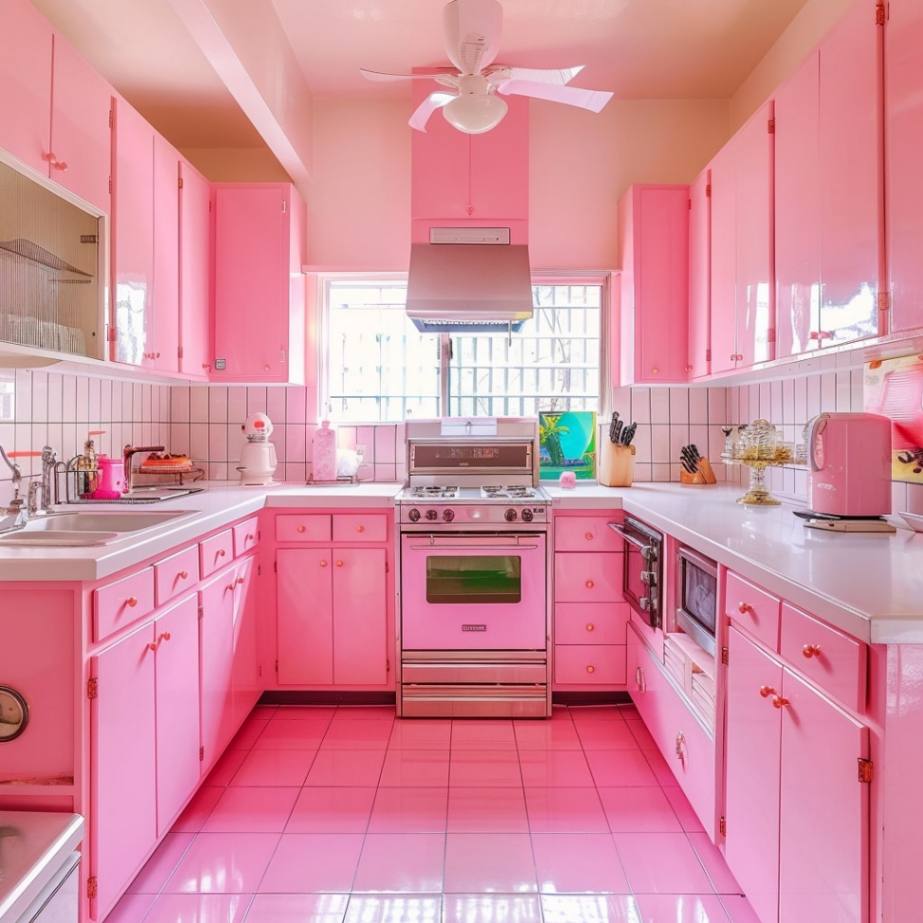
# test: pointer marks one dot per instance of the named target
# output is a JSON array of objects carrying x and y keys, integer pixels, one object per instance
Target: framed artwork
[
  {"x": 894, "y": 388},
  {"x": 567, "y": 442}
]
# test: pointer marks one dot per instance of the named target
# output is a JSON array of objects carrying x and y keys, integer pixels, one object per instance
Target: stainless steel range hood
[{"x": 456, "y": 287}]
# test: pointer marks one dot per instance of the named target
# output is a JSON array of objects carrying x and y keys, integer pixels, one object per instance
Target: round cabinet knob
[
  {"x": 221, "y": 553},
  {"x": 590, "y": 668},
  {"x": 510, "y": 515},
  {"x": 132, "y": 601},
  {"x": 811, "y": 650},
  {"x": 767, "y": 691},
  {"x": 59, "y": 165},
  {"x": 249, "y": 537},
  {"x": 590, "y": 626},
  {"x": 323, "y": 562},
  {"x": 588, "y": 536},
  {"x": 432, "y": 515},
  {"x": 183, "y": 575},
  {"x": 153, "y": 645},
  {"x": 655, "y": 371},
  {"x": 779, "y": 701},
  {"x": 300, "y": 530},
  {"x": 360, "y": 528},
  {"x": 527, "y": 515},
  {"x": 414, "y": 515},
  {"x": 590, "y": 584},
  {"x": 448, "y": 515},
  {"x": 745, "y": 608},
  {"x": 240, "y": 581},
  {"x": 339, "y": 563}
]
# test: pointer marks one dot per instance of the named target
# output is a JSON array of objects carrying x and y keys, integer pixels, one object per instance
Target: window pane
[
  {"x": 379, "y": 366},
  {"x": 551, "y": 364}
]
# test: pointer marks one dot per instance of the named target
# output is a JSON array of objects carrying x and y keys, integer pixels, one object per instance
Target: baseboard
[
  {"x": 591, "y": 698},
  {"x": 325, "y": 697}
]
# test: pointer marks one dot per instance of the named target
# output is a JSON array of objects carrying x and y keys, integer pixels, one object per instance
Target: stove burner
[
  {"x": 433, "y": 492},
  {"x": 512, "y": 492}
]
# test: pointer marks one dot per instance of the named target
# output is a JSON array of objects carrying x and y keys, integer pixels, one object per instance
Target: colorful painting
[
  {"x": 567, "y": 442},
  {"x": 894, "y": 388}
]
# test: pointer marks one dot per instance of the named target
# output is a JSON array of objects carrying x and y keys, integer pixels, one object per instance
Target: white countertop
[
  {"x": 870, "y": 585},
  {"x": 33, "y": 845}
]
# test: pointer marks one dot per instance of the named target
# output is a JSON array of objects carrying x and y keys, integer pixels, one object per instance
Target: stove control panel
[{"x": 479, "y": 513}]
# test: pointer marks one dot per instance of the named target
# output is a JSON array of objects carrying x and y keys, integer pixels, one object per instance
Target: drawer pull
[
  {"x": 229, "y": 588},
  {"x": 590, "y": 668},
  {"x": 164, "y": 636},
  {"x": 131, "y": 602},
  {"x": 220, "y": 553},
  {"x": 590, "y": 626},
  {"x": 588, "y": 536},
  {"x": 240, "y": 581},
  {"x": 779, "y": 701},
  {"x": 811, "y": 650},
  {"x": 300, "y": 529},
  {"x": 339, "y": 563},
  {"x": 182, "y": 575},
  {"x": 681, "y": 749},
  {"x": 360, "y": 528},
  {"x": 745, "y": 609},
  {"x": 639, "y": 679},
  {"x": 153, "y": 645},
  {"x": 767, "y": 691},
  {"x": 590, "y": 584},
  {"x": 323, "y": 562}
]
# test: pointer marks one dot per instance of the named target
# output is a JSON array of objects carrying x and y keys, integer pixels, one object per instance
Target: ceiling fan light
[{"x": 474, "y": 114}]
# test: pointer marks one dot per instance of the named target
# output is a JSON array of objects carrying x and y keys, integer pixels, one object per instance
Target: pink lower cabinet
[
  {"x": 176, "y": 636},
  {"x": 246, "y": 685},
  {"x": 123, "y": 819},
  {"x": 360, "y": 643}
]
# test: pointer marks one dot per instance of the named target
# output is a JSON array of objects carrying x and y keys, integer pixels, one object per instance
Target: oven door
[
  {"x": 473, "y": 592},
  {"x": 642, "y": 570}
]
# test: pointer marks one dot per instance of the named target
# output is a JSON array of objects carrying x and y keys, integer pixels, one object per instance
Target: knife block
[
  {"x": 616, "y": 465},
  {"x": 704, "y": 474}
]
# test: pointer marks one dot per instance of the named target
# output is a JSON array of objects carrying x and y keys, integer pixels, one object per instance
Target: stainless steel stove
[{"x": 474, "y": 614}]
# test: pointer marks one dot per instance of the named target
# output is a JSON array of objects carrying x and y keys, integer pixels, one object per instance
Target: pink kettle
[{"x": 111, "y": 484}]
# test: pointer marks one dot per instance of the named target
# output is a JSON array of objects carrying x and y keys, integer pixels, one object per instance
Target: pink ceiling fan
[{"x": 472, "y": 102}]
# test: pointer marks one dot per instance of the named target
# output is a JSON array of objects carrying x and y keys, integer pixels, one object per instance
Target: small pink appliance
[
  {"x": 111, "y": 484},
  {"x": 850, "y": 459}
]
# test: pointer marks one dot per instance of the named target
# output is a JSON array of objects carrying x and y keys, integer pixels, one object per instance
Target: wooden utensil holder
[
  {"x": 616, "y": 465},
  {"x": 704, "y": 474}
]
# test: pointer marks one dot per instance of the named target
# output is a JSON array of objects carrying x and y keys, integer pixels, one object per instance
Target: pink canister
[
  {"x": 324, "y": 458},
  {"x": 111, "y": 478}
]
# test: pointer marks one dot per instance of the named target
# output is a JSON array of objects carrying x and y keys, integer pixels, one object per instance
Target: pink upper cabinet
[
  {"x": 654, "y": 239},
  {"x": 81, "y": 138},
  {"x": 195, "y": 272},
  {"x": 25, "y": 83},
  {"x": 850, "y": 152},
  {"x": 723, "y": 262},
  {"x": 904, "y": 113},
  {"x": 133, "y": 234},
  {"x": 797, "y": 204},
  {"x": 259, "y": 288},
  {"x": 699, "y": 275},
  {"x": 164, "y": 342}
]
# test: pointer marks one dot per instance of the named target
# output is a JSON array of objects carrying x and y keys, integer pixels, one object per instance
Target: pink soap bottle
[{"x": 325, "y": 453}]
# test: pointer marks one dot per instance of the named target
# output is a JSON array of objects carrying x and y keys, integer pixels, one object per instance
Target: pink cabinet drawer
[
  {"x": 834, "y": 661},
  {"x": 586, "y": 533},
  {"x": 215, "y": 552},
  {"x": 177, "y": 573},
  {"x": 360, "y": 528},
  {"x": 120, "y": 603},
  {"x": 755, "y": 610},
  {"x": 594, "y": 577},
  {"x": 302, "y": 528},
  {"x": 589, "y": 664},
  {"x": 246, "y": 535},
  {"x": 590, "y": 623}
]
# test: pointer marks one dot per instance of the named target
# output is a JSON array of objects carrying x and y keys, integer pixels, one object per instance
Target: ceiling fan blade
[
  {"x": 555, "y": 76},
  {"x": 380, "y": 77},
  {"x": 594, "y": 100},
  {"x": 429, "y": 105}
]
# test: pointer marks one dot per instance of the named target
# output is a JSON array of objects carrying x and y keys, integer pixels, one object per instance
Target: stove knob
[
  {"x": 510, "y": 515},
  {"x": 431, "y": 515},
  {"x": 414, "y": 515},
  {"x": 448, "y": 515},
  {"x": 527, "y": 515}
]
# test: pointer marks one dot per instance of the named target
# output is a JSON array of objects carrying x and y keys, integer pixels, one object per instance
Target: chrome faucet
[
  {"x": 131, "y": 450},
  {"x": 15, "y": 515}
]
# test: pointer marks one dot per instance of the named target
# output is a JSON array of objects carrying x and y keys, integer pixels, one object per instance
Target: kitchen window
[{"x": 379, "y": 368}]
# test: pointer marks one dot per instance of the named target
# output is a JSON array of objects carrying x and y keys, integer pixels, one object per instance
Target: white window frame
[{"x": 608, "y": 347}]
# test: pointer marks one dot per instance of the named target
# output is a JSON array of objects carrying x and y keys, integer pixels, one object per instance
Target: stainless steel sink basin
[{"x": 88, "y": 527}]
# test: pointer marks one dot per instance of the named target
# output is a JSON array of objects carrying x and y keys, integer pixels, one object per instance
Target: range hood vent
[{"x": 468, "y": 287}]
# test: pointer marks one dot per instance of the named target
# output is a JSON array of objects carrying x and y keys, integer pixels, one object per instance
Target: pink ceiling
[{"x": 638, "y": 48}]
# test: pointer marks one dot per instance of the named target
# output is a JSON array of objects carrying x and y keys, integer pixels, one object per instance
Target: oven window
[
  {"x": 473, "y": 579},
  {"x": 700, "y": 594}
]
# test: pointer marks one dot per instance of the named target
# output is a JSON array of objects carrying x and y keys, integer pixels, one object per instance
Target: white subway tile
[
  {"x": 179, "y": 404},
  {"x": 198, "y": 404},
  {"x": 179, "y": 438},
  {"x": 385, "y": 445},
  {"x": 698, "y": 405},
  {"x": 296, "y": 473},
  {"x": 217, "y": 471},
  {"x": 385, "y": 472},
  {"x": 661, "y": 471},
  {"x": 641, "y": 405},
  {"x": 679, "y": 405},
  {"x": 256, "y": 399},
  {"x": 775, "y": 403},
  {"x": 295, "y": 442},
  {"x": 643, "y": 472},
  {"x": 295, "y": 405},
  {"x": 275, "y": 404},
  {"x": 660, "y": 405},
  {"x": 660, "y": 444},
  {"x": 217, "y": 404},
  {"x": 237, "y": 404}
]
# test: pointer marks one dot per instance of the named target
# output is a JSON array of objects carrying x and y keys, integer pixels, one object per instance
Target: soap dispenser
[{"x": 324, "y": 453}]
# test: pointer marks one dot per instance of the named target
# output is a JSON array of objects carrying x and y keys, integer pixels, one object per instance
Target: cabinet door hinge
[
  {"x": 722, "y": 826},
  {"x": 179, "y": 352},
  {"x": 883, "y": 300},
  {"x": 387, "y": 566},
  {"x": 259, "y": 570},
  {"x": 708, "y": 355},
  {"x": 881, "y": 14},
  {"x": 388, "y": 665},
  {"x": 201, "y": 611},
  {"x": 111, "y": 118},
  {"x": 284, "y": 206},
  {"x": 275, "y": 567},
  {"x": 771, "y": 126},
  {"x": 724, "y": 655},
  {"x": 92, "y": 687},
  {"x": 201, "y": 754},
  {"x": 690, "y": 204},
  {"x": 866, "y": 768},
  {"x": 92, "y": 886},
  {"x": 259, "y": 670}
]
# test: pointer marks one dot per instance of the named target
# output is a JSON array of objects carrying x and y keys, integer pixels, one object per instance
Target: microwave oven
[{"x": 697, "y": 597}]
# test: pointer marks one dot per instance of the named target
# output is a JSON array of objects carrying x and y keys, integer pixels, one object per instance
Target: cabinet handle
[
  {"x": 360, "y": 528},
  {"x": 588, "y": 536},
  {"x": 339, "y": 563},
  {"x": 248, "y": 537},
  {"x": 590, "y": 668},
  {"x": 230, "y": 588},
  {"x": 639, "y": 679},
  {"x": 811, "y": 650},
  {"x": 767, "y": 691},
  {"x": 182, "y": 575},
  {"x": 590, "y": 584},
  {"x": 220, "y": 553},
  {"x": 687, "y": 369},
  {"x": 131, "y": 602},
  {"x": 323, "y": 562},
  {"x": 681, "y": 749},
  {"x": 153, "y": 645},
  {"x": 745, "y": 609},
  {"x": 240, "y": 580},
  {"x": 590, "y": 626},
  {"x": 165, "y": 636},
  {"x": 300, "y": 529},
  {"x": 779, "y": 701}
]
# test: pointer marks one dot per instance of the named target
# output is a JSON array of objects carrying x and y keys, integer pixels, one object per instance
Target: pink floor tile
[
  {"x": 738, "y": 909},
  {"x": 680, "y": 803},
  {"x": 556, "y": 734},
  {"x": 483, "y": 735},
  {"x": 620, "y": 767},
  {"x": 487, "y": 810},
  {"x": 660, "y": 768},
  {"x": 264, "y": 711},
  {"x": 416, "y": 768},
  {"x": 661, "y": 863},
  {"x": 606, "y": 734},
  {"x": 334, "y": 809},
  {"x": 409, "y": 810},
  {"x": 578, "y": 863},
  {"x": 394, "y": 908},
  {"x": 485, "y": 767},
  {"x": 198, "y": 809},
  {"x": 401, "y": 862},
  {"x": 591, "y": 713},
  {"x": 157, "y": 869},
  {"x": 565, "y": 810},
  {"x": 247, "y": 736},
  {"x": 364, "y": 712},
  {"x": 641, "y": 734},
  {"x": 554, "y": 768},
  {"x": 223, "y": 863},
  {"x": 681, "y": 908},
  {"x": 131, "y": 908},
  {"x": 715, "y": 866},
  {"x": 199, "y": 908},
  {"x": 589, "y": 908},
  {"x": 274, "y": 767},
  {"x": 252, "y": 810},
  {"x": 342, "y": 767},
  {"x": 297, "y": 908},
  {"x": 410, "y": 734},
  {"x": 639, "y": 809},
  {"x": 226, "y": 767},
  {"x": 492, "y": 908},
  {"x": 485, "y": 862},
  {"x": 293, "y": 734},
  {"x": 284, "y": 712},
  {"x": 307, "y": 862},
  {"x": 364, "y": 734}
]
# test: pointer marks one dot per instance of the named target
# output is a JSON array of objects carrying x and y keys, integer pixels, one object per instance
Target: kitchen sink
[{"x": 90, "y": 527}]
